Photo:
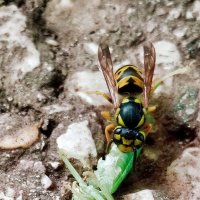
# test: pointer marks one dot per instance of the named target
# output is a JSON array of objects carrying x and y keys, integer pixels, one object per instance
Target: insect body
[
  {"x": 127, "y": 129},
  {"x": 129, "y": 80}
]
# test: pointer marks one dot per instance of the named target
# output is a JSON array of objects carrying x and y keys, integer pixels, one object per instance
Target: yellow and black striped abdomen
[{"x": 129, "y": 80}]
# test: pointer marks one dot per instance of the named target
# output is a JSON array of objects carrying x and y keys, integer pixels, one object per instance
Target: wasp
[{"x": 128, "y": 129}]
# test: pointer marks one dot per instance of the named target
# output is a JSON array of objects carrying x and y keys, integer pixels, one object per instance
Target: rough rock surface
[{"x": 48, "y": 59}]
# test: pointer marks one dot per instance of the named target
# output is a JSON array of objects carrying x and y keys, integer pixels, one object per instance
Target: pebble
[
  {"x": 141, "y": 195},
  {"x": 183, "y": 174},
  {"x": 79, "y": 83},
  {"x": 46, "y": 182},
  {"x": 91, "y": 48},
  {"x": 77, "y": 142},
  {"x": 54, "y": 165}
]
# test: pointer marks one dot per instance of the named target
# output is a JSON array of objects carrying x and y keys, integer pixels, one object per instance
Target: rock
[
  {"x": 46, "y": 182},
  {"x": 14, "y": 134},
  {"x": 8, "y": 195},
  {"x": 167, "y": 60},
  {"x": 183, "y": 175},
  {"x": 30, "y": 165},
  {"x": 78, "y": 143},
  {"x": 182, "y": 113},
  {"x": 168, "y": 57},
  {"x": 91, "y": 48},
  {"x": 180, "y": 32},
  {"x": 146, "y": 194},
  {"x": 81, "y": 82},
  {"x": 141, "y": 195},
  {"x": 51, "y": 42},
  {"x": 175, "y": 13},
  {"x": 194, "y": 11},
  {"x": 14, "y": 40},
  {"x": 151, "y": 25},
  {"x": 55, "y": 165},
  {"x": 56, "y": 108}
]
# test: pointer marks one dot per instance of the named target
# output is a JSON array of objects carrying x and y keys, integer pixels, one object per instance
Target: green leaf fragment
[
  {"x": 106, "y": 179},
  {"x": 114, "y": 169}
]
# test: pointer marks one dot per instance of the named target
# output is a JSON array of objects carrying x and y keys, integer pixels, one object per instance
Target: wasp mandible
[{"x": 128, "y": 129}]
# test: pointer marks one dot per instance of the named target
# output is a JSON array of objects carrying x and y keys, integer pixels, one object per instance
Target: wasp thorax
[
  {"x": 130, "y": 113},
  {"x": 129, "y": 80}
]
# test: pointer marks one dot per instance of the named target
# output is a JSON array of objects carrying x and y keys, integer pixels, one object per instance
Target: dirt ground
[{"x": 43, "y": 43}]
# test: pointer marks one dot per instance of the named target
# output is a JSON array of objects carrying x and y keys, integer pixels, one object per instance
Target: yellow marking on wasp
[
  {"x": 124, "y": 149},
  {"x": 125, "y": 100},
  {"x": 126, "y": 142},
  {"x": 117, "y": 136},
  {"x": 139, "y": 142},
  {"x": 125, "y": 80},
  {"x": 121, "y": 70},
  {"x": 137, "y": 100},
  {"x": 120, "y": 120},
  {"x": 141, "y": 122}
]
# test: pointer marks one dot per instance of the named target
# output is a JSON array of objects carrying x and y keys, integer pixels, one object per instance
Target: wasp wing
[
  {"x": 106, "y": 67},
  {"x": 149, "y": 66}
]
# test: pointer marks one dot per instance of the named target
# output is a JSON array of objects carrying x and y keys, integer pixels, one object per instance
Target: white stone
[
  {"x": 194, "y": 11},
  {"x": 57, "y": 108},
  {"x": 8, "y": 195},
  {"x": 167, "y": 60},
  {"x": 141, "y": 195},
  {"x": 20, "y": 197},
  {"x": 189, "y": 15},
  {"x": 77, "y": 142},
  {"x": 25, "y": 165},
  {"x": 151, "y": 25},
  {"x": 167, "y": 54},
  {"x": 12, "y": 31},
  {"x": 80, "y": 83},
  {"x": 39, "y": 167},
  {"x": 30, "y": 165},
  {"x": 51, "y": 42},
  {"x": 54, "y": 165},
  {"x": 174, "y": 13},
  {"x": 23, "y": 137},
  {"x": 180, "y": 32},
  {"x": 183, "y": 174},
  {"x": 65, "y": 3},
  {"x": 40, "y": 97},
  {"x": 91, "y": 48},
  {"x": 46, "y": 182}
]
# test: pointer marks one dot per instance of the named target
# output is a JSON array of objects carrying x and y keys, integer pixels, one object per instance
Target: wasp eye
[
  {"x": 118, "y": 131},
  {"x": 140, "y": 137}
]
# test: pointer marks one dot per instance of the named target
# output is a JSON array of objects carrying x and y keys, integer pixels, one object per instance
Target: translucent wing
[
  {"x": 149, "y": 66},
  {"x": 106, "y": 67}
]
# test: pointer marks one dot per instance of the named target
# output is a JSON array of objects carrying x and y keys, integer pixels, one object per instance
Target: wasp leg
[
  {"x": 108, "y": 132},
  {"x": 151, "y": 109},
  {"x": 106, "y": 115},
  {"x": 148, "y": 128},
  {"x": 108, "y": 146},
  {"x": 134, "y": 160},
  {"x": 104, "y": 95}
]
